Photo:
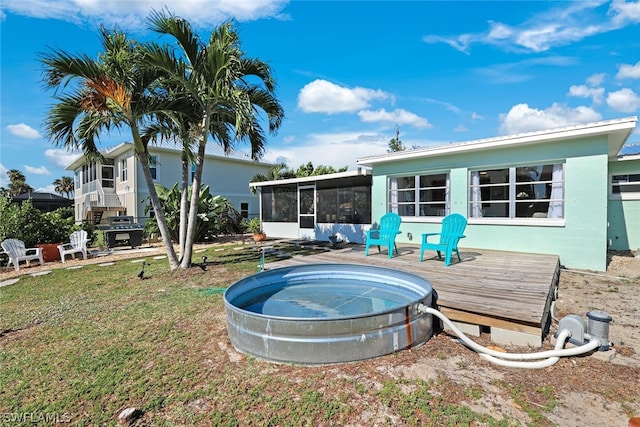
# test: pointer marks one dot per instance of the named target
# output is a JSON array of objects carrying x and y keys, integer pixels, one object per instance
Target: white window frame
[
  {"x": 124, "y": 173},
  {"x": 631, "y": 178},
  {"x": 392, "y": 195},
  {"x": 555, "y": 213}
]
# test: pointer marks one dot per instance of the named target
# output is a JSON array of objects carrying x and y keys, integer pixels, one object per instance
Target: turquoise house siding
[
  {"x": 591, "y": 217},
  {"x": 624, "y": 214}
]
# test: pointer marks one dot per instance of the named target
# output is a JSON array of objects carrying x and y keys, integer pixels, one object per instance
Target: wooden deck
[{"x": 507, "y": 291}]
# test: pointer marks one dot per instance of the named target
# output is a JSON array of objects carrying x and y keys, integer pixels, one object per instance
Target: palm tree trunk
[
  {"x": 184, "y": 205},
  {"x": 159, "y": 212},
  {"x": 193, "y": 208},
  {"x": 195, "y": 193}
]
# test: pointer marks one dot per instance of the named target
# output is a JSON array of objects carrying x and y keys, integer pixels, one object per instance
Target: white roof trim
[
  {"x": 124, "y": 147},
  {"x": 314, "y": 178},
  {"x": 629, "y": 157},
  {"x": 618, "y": 131}
]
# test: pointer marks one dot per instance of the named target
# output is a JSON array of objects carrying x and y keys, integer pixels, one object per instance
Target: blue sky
[{"x": 349, "y": 72}]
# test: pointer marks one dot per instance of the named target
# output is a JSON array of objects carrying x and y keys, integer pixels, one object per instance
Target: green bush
[
  {"x": 25, "y": 222},
  {"x": 216, "y": 215}
]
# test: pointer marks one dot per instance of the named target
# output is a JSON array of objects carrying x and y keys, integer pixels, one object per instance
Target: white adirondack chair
[
  {"x": 17, "y": 252},
  {"x": 77, "y": 245}
]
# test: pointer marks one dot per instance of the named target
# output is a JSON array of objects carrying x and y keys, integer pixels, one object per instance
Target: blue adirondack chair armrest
[{"x": 425, "y": 236}]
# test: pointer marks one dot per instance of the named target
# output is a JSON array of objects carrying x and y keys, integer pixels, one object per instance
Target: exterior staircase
[{"x": 98, "y": 202}]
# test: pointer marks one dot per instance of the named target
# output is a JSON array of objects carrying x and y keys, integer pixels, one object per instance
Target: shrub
[
  {"x": 216, "y": 215},
  {"x": 25, "y": 222}
]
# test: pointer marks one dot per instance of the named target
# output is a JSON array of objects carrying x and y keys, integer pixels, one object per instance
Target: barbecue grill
[{"x": 121, "y": 229}]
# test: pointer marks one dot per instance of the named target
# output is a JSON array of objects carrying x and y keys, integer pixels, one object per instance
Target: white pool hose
[{"x": 518, "y": 360}]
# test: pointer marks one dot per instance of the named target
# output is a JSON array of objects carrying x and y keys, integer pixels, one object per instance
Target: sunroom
[{"x": 317, "y": 207}]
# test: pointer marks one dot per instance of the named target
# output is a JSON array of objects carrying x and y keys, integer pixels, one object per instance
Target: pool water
[{"x": 339, "y": 298}]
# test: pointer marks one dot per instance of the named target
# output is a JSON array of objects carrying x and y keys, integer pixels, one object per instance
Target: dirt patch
[{"x": 600, "y": 389}]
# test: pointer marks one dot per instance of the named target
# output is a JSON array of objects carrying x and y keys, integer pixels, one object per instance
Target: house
[
  {"x": 116, "y": 186},
  {"x": 569, "y": 191},
  {"x": 44, "y": 202},
  {"x": 316, "y": 207}
]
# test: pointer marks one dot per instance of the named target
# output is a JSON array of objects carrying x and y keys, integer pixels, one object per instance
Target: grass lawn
[{"x": 82, "y": 345}]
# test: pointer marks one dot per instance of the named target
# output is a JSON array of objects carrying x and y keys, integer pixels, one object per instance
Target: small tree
[{"x": 395, "y": 144}]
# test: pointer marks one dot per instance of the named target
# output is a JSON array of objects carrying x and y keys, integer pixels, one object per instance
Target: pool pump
[{"x": 581, "y": 332}]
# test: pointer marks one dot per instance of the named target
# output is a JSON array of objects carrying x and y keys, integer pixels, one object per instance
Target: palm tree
[
  {"x": 227, "y": 94},
  {"x": 17, "y": 183},
  {"x": 64, "y": 185},
  {"x": 16, "y": 175},
  {"x": 278, "y": 171},
  {"x": 111, "y": 92}
]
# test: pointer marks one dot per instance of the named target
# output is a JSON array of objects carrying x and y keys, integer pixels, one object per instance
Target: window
[
  {"x": 88, "y": 172},
  {"x": 107, "y": 176},
  {"x": 420, "y": 195},
  {"x": 244, "y": 209},
  {"x": 517, "y": 192},
  {"x": 344, "y": 205},
  {"x": 153, "y": 166},
  {"x": 280, "y": 204},
  {"x": 123, "y": 170},
  {"x": 77, "y": 179},
  {"x": 193, "y": 171},
  {"x": 626, "y": 185}
]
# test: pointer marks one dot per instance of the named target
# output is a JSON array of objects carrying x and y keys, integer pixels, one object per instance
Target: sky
[{"x": 352, "y": 74}]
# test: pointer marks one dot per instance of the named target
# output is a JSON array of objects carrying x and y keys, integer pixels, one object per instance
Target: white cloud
[
  {"x": 514, "y": 72},
  {"x": 132, "y": 15},
  {"x": 4, "y": 179},
  {"x": 625, "y": 12},
  {"x": 398, "y": 116},
  {"x": 627, "y": 71},
  {"x": 582, "y": 91},
  {"x": 476, "y": 116},
  {"x": 321, "y": 96},
  {"x": 23, "y": 131},
  {"x": 41, "y": 170},
  {"x": 624, "y": 100},
  {"x": 330, "y": 149},
  {"x": 48, "y": 189},
  {"x": 61, "y": 158},
  {"x": 558, "y": 26},
  {"x": 522, "y": 118},
  {"x": 596, "y": 79}
]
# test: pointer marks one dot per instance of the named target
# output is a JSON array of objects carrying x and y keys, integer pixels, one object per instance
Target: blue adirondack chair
[
  {"x": 386, "y": 234},
  {"x": 453, "y": 226}
]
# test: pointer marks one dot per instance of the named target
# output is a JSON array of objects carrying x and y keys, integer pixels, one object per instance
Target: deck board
[{"x": 509, "y": 290}]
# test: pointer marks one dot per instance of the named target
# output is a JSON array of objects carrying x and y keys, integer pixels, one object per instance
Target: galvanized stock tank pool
[{"x": 327, "y": 313}]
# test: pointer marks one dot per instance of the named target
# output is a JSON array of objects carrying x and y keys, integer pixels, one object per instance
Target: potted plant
[{"x": 255, "y": 227}]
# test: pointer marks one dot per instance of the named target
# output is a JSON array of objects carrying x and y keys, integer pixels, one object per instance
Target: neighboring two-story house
[{"x": 117, "y": 186}]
